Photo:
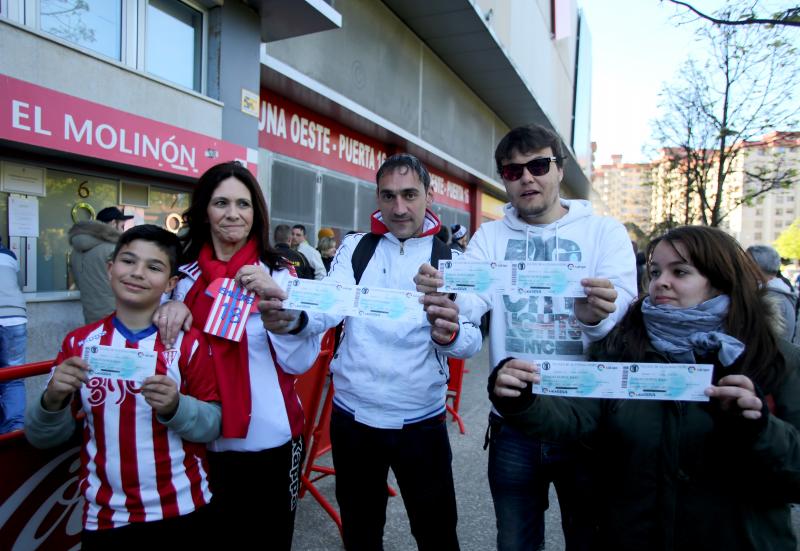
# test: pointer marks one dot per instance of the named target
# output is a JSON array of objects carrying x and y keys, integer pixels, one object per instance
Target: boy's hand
[
  {"x": 67, "y": 378},
  {"x": 161, "y": 392}
]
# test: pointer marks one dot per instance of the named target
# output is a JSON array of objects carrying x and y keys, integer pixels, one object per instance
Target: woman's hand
[
  {"x": 514, "y": 376},
  {"x": 170, "y": 318},
  {"x": 255, "y": 279},
  {"x": 737, "y": 395}
]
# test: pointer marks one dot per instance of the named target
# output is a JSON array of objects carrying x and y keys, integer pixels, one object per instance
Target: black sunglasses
[{"x": 537, "y": 167}]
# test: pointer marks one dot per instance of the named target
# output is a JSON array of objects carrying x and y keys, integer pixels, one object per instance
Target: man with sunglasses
[{"x": 540, "y": 225}]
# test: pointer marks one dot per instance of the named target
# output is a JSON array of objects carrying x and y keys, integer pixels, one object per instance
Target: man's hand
[
  {"x": 275, "y": 318},
  {"x": 599, "y": 302},
  {"x": 428, "y": 279},
  {"x": 68, "y": 377},
  {"x": 170, "y": 318},
  {"x": 737, "y": 395},
  {"x": 443, "y": 317},
  {"x": 161, "y": 392},
  {"x": 514, "y": 376}
]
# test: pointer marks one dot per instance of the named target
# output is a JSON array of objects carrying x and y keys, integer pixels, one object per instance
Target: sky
[{"x": 637, "y": 46}]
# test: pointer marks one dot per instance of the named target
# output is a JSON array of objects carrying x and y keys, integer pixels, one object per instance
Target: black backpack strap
[
  {"x": 439, "y": 251},
  {"x": 363, "y": 253}
]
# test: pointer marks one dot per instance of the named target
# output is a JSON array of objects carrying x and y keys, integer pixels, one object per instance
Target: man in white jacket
[
  {"x": 391, "y": 377},
  {"x": 539, "y": 225}
]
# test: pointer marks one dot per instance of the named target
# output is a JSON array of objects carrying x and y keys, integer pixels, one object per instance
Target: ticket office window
[{"x": 72, "y": 197}]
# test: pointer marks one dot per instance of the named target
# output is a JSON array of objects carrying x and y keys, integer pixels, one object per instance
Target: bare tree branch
[{"x": 789, "y": 18}]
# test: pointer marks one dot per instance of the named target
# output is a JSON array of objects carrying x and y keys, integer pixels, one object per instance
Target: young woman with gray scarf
[{"x": 685, "y": 475}]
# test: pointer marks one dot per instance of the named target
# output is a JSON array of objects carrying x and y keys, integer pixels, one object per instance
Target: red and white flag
[{"x": 232, "y": 305}]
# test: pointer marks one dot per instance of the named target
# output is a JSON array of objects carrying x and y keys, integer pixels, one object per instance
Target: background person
[
  {"x": 459, "y": 238},
  {"x": 255, "y": 465},
  {"x": 686, "y": 475},
  {"x": 13, "y": 340},
  {"x": 312, "y": 255},
  {"x": 327, "y": 250},
  {"x": 282, "y": 237},
  {"x": 93, "y": 242},
  {"x": 769, "y": 262}
]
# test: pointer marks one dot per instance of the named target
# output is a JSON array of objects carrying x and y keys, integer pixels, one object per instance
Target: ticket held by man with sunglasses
[{"x": 540, "y": 225}]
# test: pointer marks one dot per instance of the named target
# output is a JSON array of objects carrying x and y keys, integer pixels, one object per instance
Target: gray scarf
[{"x": 679, "y": 333}]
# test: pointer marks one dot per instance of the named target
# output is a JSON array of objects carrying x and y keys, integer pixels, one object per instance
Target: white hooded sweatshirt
[{"x": 545, "y": 327}]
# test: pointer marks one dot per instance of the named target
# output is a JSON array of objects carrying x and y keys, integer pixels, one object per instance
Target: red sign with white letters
[
  {"x": 38, "y": 116},
  {"x": 289, "y": 129}
]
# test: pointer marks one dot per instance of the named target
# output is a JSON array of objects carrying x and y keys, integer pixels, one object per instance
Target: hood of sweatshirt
[
  {"x": 430, "y": 226},
  {"x": 84, "y": 236}
]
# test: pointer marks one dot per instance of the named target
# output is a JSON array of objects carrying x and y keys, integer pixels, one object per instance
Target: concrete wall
[
  {"x": 375, "y": 60},
  {"x": 34, "y": 58},
  {"x": 233, "y": 64}
]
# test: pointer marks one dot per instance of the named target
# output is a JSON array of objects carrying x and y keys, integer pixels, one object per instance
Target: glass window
[
  {"x": 67, "y": 193},
  {"x": 173, "y": 44},
  {"x": 367, "y": 204},
  {"x": 92, "y": 24},
  {"x": 338, "y": 203}
]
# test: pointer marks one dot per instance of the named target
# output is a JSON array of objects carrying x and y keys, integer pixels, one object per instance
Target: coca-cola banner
[
  {"x": 40, "y": 503},
  {"x": 38, "y": 116},
  {"x": 292, "y": 130}
]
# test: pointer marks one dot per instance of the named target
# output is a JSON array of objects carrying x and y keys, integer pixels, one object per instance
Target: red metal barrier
[{"x": 40, "y": 502}]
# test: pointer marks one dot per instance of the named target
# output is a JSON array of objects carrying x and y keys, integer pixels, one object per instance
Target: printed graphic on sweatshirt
[{"x": 538, "y": 324}]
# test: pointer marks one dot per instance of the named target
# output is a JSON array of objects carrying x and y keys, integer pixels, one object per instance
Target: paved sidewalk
[{"x": 315, "y": 531}]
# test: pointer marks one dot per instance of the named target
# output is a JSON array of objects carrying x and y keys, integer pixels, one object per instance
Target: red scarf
[{"x": 231, "y": 364}]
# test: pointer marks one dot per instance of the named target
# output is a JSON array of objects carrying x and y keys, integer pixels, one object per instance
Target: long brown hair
[
  {"x": 731, "y": 271},
  {"x": 196, "y": 216}
]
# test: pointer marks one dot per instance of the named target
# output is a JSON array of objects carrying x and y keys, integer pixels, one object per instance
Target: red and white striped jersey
[{"x": 134, "y": 469}]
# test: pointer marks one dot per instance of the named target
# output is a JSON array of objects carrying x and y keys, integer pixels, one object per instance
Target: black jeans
[
  {"x": 184, "y": 532},
  {"x": 420, "y": 457},
  {"x": 255, "y": 496}
]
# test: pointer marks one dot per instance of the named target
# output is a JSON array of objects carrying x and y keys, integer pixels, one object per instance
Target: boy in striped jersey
[{"x": 143, "y": 463}]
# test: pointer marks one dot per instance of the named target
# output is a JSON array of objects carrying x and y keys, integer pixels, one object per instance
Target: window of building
[
  {"x": 173, "y": 43},
  {"x": 72, "y": 197},
  {"x": 759, "y": 212},
  {"x": 759, "y": 224},
  {"x": 778, "y": 212},
  {"x": 93, "y": 24},
  {"x": 165, "y": 38},
  {"x": 757, "y": 236}
]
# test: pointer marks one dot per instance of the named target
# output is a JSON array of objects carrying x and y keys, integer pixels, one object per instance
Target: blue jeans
[
  {"x": 12, "y": 393},
  {"x": 521, "y": 469}
]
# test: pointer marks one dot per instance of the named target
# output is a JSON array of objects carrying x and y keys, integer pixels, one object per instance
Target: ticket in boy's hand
[
  {"x": 230, "y": 309},
  {"x": 128, "y": 364},
  {"x": 552, "y": 279},
  {"x": 624, "y": 381},
  {"x": 475, "y": 276},
  {"x": 651, "y": 381},
  {"x": 389, "y": 304},
  {"x": 325, "y": 297}
]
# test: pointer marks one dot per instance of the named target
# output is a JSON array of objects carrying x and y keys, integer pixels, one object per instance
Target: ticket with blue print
[
  {"x": 552, "y": 279},
  {"x": 353, "y": 300},
  {"x": 624, "y": 381},
  {"x": 127, "y": 364}
]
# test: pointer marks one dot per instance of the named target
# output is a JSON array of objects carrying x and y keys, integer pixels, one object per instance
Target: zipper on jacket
[{"x": 402, "y": 247}]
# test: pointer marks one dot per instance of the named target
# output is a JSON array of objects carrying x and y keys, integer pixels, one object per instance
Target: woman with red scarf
[{"x": 254, "y": 465}]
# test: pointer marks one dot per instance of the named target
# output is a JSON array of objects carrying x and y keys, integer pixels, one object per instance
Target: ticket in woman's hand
[
  {"x": 624, "y": 381},
  {"x": 550, "y": 279},
  {"x": 474, "y": 276},
  {"x": 127, "y": 364}
]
